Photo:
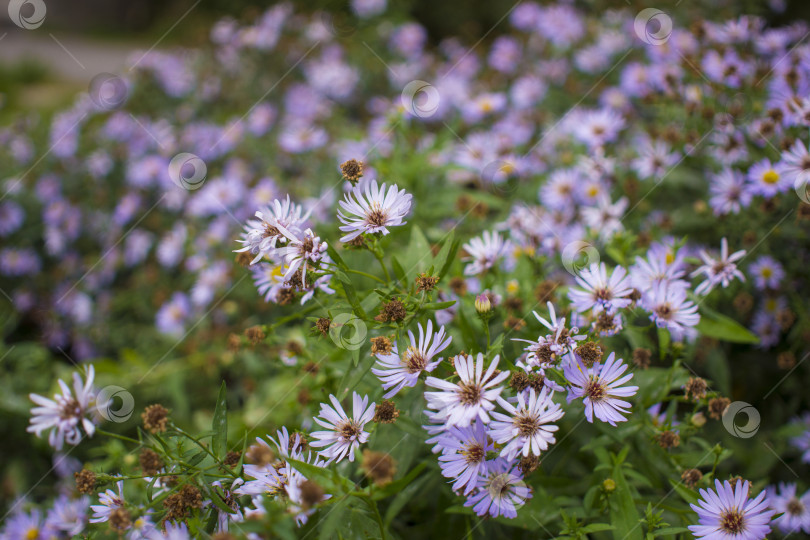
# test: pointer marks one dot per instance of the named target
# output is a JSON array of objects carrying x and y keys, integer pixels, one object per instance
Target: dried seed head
[
  {"x": 352, "y": 170},
  {"x": 234, "y": 342},
  {"x": 393, "y": 311},
  {"x": 311, "y": 494},
  {"x": 294, "y": 347},
  {"x": 259, "y": 454},
  {"x": 178, "y": 504},
  {"x": 668, "y": 439},
  {"x": 717, "y": 407},
  {"x": 514, "y": 323},
  {"x": 528, "y": 464},
  {"x": 244, "y": 259},
  {"x": 323, "y": 325},
  {"x": 544, "y": 292},
  {"x": 786, "y": 360},
  {"x": 743, "y": 302},
  {"x": 381, "y": 345},
  {"x": 85, "y": 481},
  {"x": 385, "y": 412},
  {"x": 519, "y": 381},
  {"x": 255, "y": 334},
  {"x": 150, "y": 462},
  {"x": 378, "y": 466},
  {"x": 458, "y": 285},
  {"x": 696, "y": 388},
  {"x": 119, "y": 519},
  {"x": 232, "y": 458},
  {"x": 641, "y": 358},
  {"x": 424, "y": 282},
  {"x": 691, "y": 477},
  {"x": 590, "y": 352},
  {"x": 155, "y": 417}
]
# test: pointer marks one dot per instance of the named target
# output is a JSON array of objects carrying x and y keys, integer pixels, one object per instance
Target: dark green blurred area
[{"x": 464, "y": 18}]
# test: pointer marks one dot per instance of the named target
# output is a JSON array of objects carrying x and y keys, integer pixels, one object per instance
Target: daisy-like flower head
[
  {"x": 301, "y": 252},
  {"x": 485, "y": 251},
  {"x": 263, "y": 234},
  {"x": 344, "y": 434},
  {"x": 768, "y": 179},
  {"x": 600, "y": 386},
  {"x": 464, "y": 455},
  {"x": 374, "y": 212},
  {"x": 108, "y": 501},
  {"x": 501, "y": 492},
  {"x": 728, "y": 193},
  {"x": 795, "y": 510},
  {"x": 600, "y": 292},
  {"x": 547, "y": 349},
  {"x": 528, "y": 428},
  {"x": 720, "y": 271},
  {"x": 797, "y": 164},
  {"x": 768, "y": 273},
  {"x": 398, "y": 371},
  {"x": 67, "y": 413},
  {"x": 726, "y": 513},
  {"x": 670, "y": 309},
  {"x": 471, "y": 397}
]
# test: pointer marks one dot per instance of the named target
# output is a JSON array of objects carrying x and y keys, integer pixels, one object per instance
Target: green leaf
[
  {"x": 398, "y": 485},
  {"x": 436, "y": 306},
  {"x": 219, "y": 441},
  {"x": 417, "y": 255},
  {"x": 715, "y": 325},
  {"x": 398, "y": 270},
  {"x": 624, "y": 516},
  {"x": 689, "y": 495},
  {"x": 334, "y": 516}
]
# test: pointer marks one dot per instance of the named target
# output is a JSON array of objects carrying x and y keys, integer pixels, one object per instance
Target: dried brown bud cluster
[
  {"x": 425, "y": 282},
  {"x": 393, "y": 311},
  {"x": 352, "y": 170},
  {"x": 385, "y": 412},
  {"x": 381, "y": 345},
  {"x": 696, "y": 388},
  {"x": 178, "y": 504},
  {"x": 155, "y": 417},
  {"x": 85, "y": 481},
  {"x": 379, "y": 467}
]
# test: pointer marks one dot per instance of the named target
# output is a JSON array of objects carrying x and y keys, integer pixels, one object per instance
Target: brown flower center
[
  {"x": 349, "y": 430},
  {"x": 469, "y": 393},
  {"x": 795, "y": 507},
  {"x": 732, "y": 522},
  {"x": 413, "y": 360},
  {"x": 526, "y": 423},
  {"x": 595, "y": 390},
  {"x": 376, "y": 217},
  {"x": 603, "y": 294},
  {"x": 474, "y": 453}
]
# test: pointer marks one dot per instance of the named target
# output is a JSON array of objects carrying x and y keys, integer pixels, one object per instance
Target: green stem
[
  {"x": 207, "y": 451},
  {"x": 364, "y": 274},
  {"x": 379, "y": 257},
  {"x": 117, "y": 436},
  {"x": 373, "y": 506}
]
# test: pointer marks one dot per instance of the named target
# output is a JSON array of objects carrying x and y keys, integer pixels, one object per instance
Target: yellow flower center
[
  {"x": 770, "y": 177},
  {"x": 670, "y": 258},
  {"x": 767, "y": 272},
  {"x": 32, "y": 534}
]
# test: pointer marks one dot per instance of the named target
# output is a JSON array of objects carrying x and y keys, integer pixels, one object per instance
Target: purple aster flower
[
  {"x": 484, "y": 252},
  {"x": 601, "y": 388},
  {"x": 109, "y": 500},
  {"x": 797, "y": 165},
  {"x": 768, "y": 179},
  {"x": 27, "y": 526},
  {"x": 68, "y": 413},
  {"x": 500, "y": 493},
  {"x": 68, "y": 515},
  {"x": 600, "y": 292},
  {"x": 527, "y": 429},
  {"x": 344, "y": 434},
  {"x": 464, "y": 455},
  {"x": 795, "y": 510},
  {"x": 11, "y": 217},
  {"x": 726, "y": 513},
  {"x": 472, "y": 396},
  {"x": 400, "y": 372},
  {"x": 261, "y": 235},
  {"x": 373, "y": 210},
  {"x": 728, "y": 192},
  {"x": 671, "y": 309},
  {"x": 802, "y": 442},
  {"x": 19, "y": 262},
  {"x": 718, "y": 272},
  {"x": 767, "y": 272},
  {"x": 655, "y": 159},
  {"x": 171, "y": 317}
]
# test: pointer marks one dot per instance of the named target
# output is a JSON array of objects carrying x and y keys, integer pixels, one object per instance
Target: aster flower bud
[{"x": 483, "y": 305}]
